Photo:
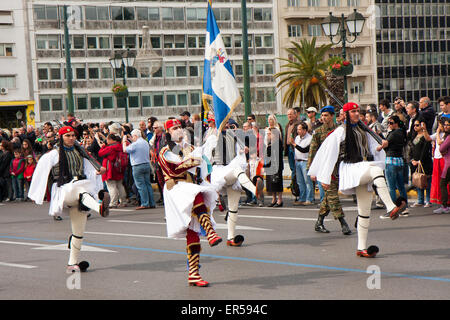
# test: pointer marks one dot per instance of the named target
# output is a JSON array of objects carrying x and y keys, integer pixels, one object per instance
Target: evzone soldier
[
  {"x": 188, "y": 203},
  {"x": 360, "y": 168},
  {"x": 330, "y": 200},
  {"x": 228, "y": 177},
  {"x": 76, "y": 188}
]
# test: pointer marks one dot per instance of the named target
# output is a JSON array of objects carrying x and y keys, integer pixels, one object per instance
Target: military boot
[
  {"x": 319, "y": 227},
  {"x": 345, "y": 228}
]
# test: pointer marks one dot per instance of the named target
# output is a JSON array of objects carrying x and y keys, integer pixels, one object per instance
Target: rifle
[
  {"x": 361, "y": 124},
  {"x": 84, "y": 153}
]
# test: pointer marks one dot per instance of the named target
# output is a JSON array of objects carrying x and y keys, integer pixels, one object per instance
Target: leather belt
[
  {"x": 173, "y": 181},
  {"x": 80, "y": 177}
]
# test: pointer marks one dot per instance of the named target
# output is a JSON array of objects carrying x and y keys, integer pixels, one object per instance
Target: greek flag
[{"x": 219, "y": 83}]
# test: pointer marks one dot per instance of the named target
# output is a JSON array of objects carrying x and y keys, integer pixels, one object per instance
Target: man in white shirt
[{"x": 301, "y": 145}]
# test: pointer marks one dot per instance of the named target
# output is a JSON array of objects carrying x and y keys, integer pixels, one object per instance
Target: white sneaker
[
  {"x": 428, "y": 205},
  {"x": 415, "y": 205},
  {"x": 441, "y": 210}
]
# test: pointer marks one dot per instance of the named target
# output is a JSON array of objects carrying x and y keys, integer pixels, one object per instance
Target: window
[
  {"x": 174, "y": 99},
  {"x": 106, "y": 71},
  {"x": 93, "y": 72},
  {"x": 195, "y": 98},
  {"x": 8, "y": 82},
  {"x": 314, "y": 30},
  {"x": 6, "y": 17},
  {"x": 353, "y": 3},
  {"x": 47, "y": 42},
  {"x": 264, "y": 41},
  {"x": 150, "y": 14},
  {"x": 178, "y": 70},
  {"x": 6, "y": 50},
  {"x": 152, "y": 99},
  {"x": 51, "y": 103},
  {"x": 122, "y": 13},
  {"x": 78, "y": 42},
  {"x": 173, "y": 14},
  {"x": 45, "y": 12},
  {"x": 294, "y": 30},
  {"x": 334, "y": 3},
  {"x": 313, "y": 3},
  {"x": 81, "y": 102},
  {"x": 80, "y": 71},
  {"x": 96, "y": 13},
  {"x": 262, "y": 14},
  {"x": 123, "y": 42},
  {"x": 222, "y": 14},
  {"x": 264, "y": 67},
  {"x": 356, "y": 58},
  {"x": 101, "y": 101},
  {"x": 237, "y": 14},
  {"x": 174, "y": 42},
  {"x": 196, "y": 14},
  {"x": 357, "y": 87},
  {"x": 293, "y": 3},
  {"x": 49, "y": 72}
]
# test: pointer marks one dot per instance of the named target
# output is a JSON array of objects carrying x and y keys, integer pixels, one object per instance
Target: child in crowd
[
  {"x": 29, "y": 170},
  {"x": 17, "y": 168}
]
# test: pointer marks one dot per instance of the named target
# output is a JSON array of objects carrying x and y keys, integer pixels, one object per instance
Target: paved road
[{"x": 283, "y": 258}]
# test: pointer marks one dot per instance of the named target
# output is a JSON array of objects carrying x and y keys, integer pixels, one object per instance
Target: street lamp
[
  {"x": 123, "y": 61},
  {"x": 332, "y": 25}
]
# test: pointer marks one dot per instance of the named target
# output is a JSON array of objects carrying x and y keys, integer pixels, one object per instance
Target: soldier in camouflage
[{"x": 330, "y": 200}]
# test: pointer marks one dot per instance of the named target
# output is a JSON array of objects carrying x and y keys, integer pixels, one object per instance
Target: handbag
[{"x": 419, "y": 178}]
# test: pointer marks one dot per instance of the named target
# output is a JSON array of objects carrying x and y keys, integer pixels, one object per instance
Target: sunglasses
[
  {"x": 417, "y": 125},
  {"x": 391, "y": 122}
]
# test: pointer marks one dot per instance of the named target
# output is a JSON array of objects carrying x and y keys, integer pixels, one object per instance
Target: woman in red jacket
[
  {"x": 29, "y": 170},
  {"x": 110, "y": 152}
]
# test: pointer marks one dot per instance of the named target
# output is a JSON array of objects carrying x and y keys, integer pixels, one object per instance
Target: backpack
[{"x": 121, "y": 162}]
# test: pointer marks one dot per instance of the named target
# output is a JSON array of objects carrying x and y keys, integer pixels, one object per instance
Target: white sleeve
[
  {"x": 39, "y": 181},
  {"x": 326, "y": 157}
]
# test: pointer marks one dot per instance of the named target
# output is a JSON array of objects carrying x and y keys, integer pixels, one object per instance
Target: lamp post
[
  {"x": 123, "y": 61},
  {"x": 332, "y": 25}
]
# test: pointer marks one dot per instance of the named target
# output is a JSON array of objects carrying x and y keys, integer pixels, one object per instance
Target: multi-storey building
[
  {"x": 16, "y": 97},
  {"x": 299, "y": 19},
  {"x": 177, "y": 30},
  {"x": 413, "y": 49}
]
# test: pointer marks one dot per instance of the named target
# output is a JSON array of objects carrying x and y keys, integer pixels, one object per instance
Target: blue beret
[{"x": 329, "y": 109}]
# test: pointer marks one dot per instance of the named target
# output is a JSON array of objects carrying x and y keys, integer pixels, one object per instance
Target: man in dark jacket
[{"x": 427, "y": 112}]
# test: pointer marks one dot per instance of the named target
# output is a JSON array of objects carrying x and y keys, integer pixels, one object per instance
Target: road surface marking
[
  {"x": 15, "y": 265},
  {"x": 221, "y": 226}
]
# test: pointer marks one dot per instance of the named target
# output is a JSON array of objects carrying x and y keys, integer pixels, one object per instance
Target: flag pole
[{"x": 247, "y": 95}]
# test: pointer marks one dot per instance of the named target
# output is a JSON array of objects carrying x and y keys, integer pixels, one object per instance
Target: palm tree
[{"x": 305, "y": 78}]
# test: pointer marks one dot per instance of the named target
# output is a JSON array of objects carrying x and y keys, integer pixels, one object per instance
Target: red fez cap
[
  {"x": 350, "y": 106},
  {"x": 211, "y": 119},
  {"x": 65, "y": 130},
  {"x": 170, "y": 123}
]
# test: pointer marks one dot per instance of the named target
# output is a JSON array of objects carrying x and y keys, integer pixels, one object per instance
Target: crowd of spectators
[{"x": 413, "y": 135}]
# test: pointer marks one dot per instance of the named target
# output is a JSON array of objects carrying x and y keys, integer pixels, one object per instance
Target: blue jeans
[
  {"x": 395, "y": 181},
  {"x": 321, "y": 191},
  {"x": 17, "y": 185},
  {"x": 420, "y": 193},
  {"x": 304, "y": 182},
  {"x": 141, "y": 175},
  {"x": 291, "y": 158}
]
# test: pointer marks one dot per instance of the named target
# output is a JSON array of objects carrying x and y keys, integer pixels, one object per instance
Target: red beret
[
  {"x": 350, "y": 106},
  {"x": 171, "y": 123},
  {"x": 65, "y": 130}
]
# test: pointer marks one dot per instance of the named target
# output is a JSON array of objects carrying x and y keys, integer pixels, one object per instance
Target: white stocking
[
  {"x": 90, "y": 202},
  {"x": 375, "y": 174},
  {"x": 78, "y": 221},
  {"x": 233, "y": 204},
  {"x": 364, "y": 201}
]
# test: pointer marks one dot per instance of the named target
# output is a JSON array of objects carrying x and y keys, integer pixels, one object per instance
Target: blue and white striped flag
[{"x": 219, "y": 83}]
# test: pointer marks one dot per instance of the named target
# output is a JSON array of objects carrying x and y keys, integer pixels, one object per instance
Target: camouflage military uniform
[{"x": 330, "y": 200}]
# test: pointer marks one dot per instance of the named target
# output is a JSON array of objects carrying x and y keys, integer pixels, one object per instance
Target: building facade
[
  {"x": 16, "y": 91},
  {"x": 177, "y": 31},
  {"x": 413, "y": 49},
  {"x": 299, "y": 19}
]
